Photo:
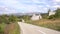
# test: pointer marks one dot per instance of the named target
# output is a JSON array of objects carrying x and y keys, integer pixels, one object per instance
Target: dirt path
[{"x": 32, "y": 29}]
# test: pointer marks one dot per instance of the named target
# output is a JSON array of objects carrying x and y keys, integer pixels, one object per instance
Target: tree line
[
  {"x": 57, "y": 14},
  {"x": 8, "y": 19}
]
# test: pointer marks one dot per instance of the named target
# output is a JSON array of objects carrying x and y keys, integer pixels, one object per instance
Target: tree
[
  {"x": 49, "y": 11},
  {"x": 13, "y": 19},
  {"x": 3, "y": 19},
  {"x": 57, "y": 15}
]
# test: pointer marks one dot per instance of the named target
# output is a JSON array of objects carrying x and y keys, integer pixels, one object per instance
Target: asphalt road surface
[{"x": 32, "y": 29}]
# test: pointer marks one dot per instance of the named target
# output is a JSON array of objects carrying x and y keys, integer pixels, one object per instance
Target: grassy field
[
  {"x": 2, "y": 26},
  {"x": 52, "y": 24},
  {"x": 12, "y": 28}
]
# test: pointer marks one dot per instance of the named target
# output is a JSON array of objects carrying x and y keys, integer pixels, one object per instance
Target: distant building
[
  {"x": 51, "y": 13},
  {"x": 36, "y": 17}
]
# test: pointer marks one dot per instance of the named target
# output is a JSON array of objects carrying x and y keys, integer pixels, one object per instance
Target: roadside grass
[
  {"x": 15, "y": 30},
  {"x": 12, "y": 28},
  {"x": 9, "y": 25},
  {"x": 2, "y": 26},
  {"x": 52, "y": 24}
]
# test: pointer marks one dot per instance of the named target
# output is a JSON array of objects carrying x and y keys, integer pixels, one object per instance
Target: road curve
[{"x": 32, "y": 29}]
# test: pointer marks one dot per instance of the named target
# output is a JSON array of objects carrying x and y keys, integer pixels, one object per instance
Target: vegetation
[
  {"x": 12, "y": 28},
  {"x": 13, "y": 19},
  {"x": 25, "y": 17},
  {"x": 2, "y": 26},
  {"x": 57, "y": 14},
  {"x": 52, "y": 22},
  {"x": 51, "y": 17},
  {"x": 8, "y": 25},
  {"x": 49, "y": 11},
  {"x": 45, "y": 15}
]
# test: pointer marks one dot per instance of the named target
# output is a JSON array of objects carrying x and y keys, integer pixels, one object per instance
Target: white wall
[
  {"x": 51, "y": 13},
  {"x": 36, "y": 17}
]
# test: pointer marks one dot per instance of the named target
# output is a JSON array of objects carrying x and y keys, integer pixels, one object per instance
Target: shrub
[
  {"x": 57, "y": 15},
  {"x": 51, "y": 17},
  {"x": 3, "y": 19},
  {"x": 13, "y": 19},
  {"x": 1, "y": 31}
]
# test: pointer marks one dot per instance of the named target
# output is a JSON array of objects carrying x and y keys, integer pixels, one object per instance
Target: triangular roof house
[{"x": 36, "y": 17}]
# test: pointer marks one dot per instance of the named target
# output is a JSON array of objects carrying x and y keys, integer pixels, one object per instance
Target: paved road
[{"x": 32, "y": 29}]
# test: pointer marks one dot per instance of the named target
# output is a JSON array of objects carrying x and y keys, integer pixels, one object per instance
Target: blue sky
[{"x": 26, "y": 6}]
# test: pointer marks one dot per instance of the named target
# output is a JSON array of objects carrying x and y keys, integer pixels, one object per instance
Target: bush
[
  {"x": 1, "y": 31},
  {"x": 13, "y": 19},
  {"x": 57, "y": 15},
  {"x": 12, "y": 28},
  {"x": 2, "y": 26},
  {"x": 51, "y": 17},
  {"x": 6, "y": 21},
  {"x": 3, "y": 19}
]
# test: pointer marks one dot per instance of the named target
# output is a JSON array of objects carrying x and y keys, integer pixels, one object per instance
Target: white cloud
[
  {"x": 17, "y": 4},
  {"x": 13, "y": 3},
  {"x": 48, "y": 6},
  {"x": 2, "y": 6},
  {"x": 31, "y": 8},
  {"x": 45, "y": 10},
  {"x": 55, "y": 3},
  {"x": 56, "y": 0},
  {"x": 40, "y": 6},
  {"x": 38, "y": 1},
  {"x": 56, "y": 6}
]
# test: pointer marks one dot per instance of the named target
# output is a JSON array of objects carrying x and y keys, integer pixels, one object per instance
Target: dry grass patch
[
  {"x": 12, "y": 28},
  {"x": 52, "y": 24}
]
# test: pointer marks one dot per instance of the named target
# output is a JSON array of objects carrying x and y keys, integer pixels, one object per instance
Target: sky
[{"x": 27, "y": 6}]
